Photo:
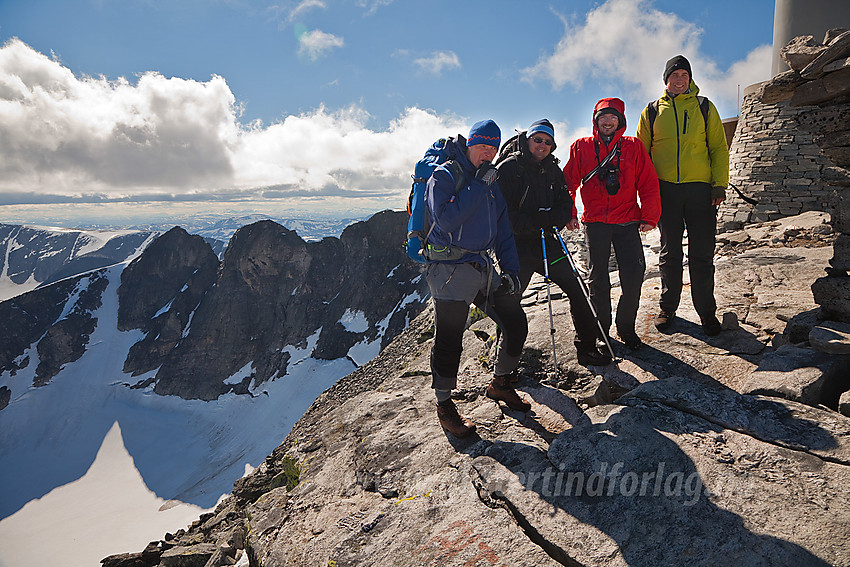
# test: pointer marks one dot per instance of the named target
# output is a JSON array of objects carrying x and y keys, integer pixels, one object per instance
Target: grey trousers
[{"x": 454, "y": 287}]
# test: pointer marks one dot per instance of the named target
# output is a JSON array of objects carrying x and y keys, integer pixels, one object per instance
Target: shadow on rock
[{"x": 650, "y": 484}]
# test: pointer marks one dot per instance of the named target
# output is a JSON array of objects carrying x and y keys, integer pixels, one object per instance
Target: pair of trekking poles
[{"x": 584, "y": 289}]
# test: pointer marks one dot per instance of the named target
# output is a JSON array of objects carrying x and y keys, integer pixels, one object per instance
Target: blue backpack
[{"x": 418, "y": 228}]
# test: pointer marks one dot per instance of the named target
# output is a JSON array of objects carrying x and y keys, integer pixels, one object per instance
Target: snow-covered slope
[
  {"x": 94, "y": 452},
  {"x": 32, "y": 255}
]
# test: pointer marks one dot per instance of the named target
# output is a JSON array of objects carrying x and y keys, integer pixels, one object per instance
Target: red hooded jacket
[{"x": 638, "y": 198}]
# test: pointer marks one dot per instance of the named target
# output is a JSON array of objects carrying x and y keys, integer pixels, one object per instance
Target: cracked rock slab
[
  {"x": 797, "y": 426},
  {"x": 650, "y": 484}
]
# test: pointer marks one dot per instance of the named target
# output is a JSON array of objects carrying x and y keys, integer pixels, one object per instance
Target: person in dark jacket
[
  {"x": 621, "y": 200},
  {"x": 537, "y": 198},
  {"x": 466, "y": 225}
]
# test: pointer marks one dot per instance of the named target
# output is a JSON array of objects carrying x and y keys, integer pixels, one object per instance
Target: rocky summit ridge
[{"x": 696, "y": 450}]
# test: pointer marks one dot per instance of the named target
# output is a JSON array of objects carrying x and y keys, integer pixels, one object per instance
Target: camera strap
[{"x": 605, "y": 162}]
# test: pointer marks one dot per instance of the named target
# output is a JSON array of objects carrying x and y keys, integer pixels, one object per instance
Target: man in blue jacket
[{"x": 466, "y": 226}]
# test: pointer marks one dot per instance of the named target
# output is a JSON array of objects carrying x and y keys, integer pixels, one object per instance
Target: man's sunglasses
[{"x": 538, "y": 140}]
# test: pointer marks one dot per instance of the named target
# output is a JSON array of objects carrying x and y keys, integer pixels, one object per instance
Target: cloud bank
[{"x": 86, "y": 138}]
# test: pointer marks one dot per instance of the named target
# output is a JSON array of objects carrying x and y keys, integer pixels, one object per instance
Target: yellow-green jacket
[{"x": 678, "y": 147}]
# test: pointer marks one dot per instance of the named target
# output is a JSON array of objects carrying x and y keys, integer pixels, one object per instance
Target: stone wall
[
  {"x": 775, "y": 162},
  {"x": 817, "y": 91}
]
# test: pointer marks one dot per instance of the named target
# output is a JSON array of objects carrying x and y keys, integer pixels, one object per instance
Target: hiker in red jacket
[{"x": 619, "y": 190}]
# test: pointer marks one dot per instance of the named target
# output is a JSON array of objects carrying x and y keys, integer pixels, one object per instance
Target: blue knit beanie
[
  {"x": 542, "y": 126},
  {"x": 484, "y": 132}
]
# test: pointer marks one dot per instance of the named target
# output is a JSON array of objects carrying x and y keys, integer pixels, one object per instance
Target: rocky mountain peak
[
  {"x": 271, "y": 294},
  {"x": 700, "y": 450}
]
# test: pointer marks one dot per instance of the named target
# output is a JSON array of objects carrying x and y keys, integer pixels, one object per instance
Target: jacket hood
[{"x": 619, "y": 108}]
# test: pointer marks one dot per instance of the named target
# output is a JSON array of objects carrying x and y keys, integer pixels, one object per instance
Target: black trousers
[
  {"x": 628, "y": 249},
  {"x": 531, "y": 260},
  {"x": 687, "y": 206},
  {"x": 451, "y": 287}
]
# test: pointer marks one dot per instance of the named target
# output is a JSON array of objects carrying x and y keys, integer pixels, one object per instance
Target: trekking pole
[
  {"x": 549, "y": 298},
  {"x": 585, "y": 291}
]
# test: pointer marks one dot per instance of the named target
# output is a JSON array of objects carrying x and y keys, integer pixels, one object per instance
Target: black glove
[
  {"x": 511, "y": 284},
  {"x": 487, "y": 173}
]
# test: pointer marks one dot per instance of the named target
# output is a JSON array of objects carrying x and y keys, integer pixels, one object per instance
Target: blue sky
[{"x": 323, "y": 104}]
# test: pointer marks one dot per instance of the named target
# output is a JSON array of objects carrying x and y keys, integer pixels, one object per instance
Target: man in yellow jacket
[{"x": 691, "y": 158}]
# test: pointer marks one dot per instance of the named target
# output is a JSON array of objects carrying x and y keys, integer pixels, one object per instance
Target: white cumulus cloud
[
  {"x": 627, "y": 42},
  {"x": 315, "y": 44},
  {"x": 438, "y": 62}
]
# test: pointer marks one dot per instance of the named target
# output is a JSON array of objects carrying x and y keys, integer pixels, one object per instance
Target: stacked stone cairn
[{"x": 815, "y": 92}]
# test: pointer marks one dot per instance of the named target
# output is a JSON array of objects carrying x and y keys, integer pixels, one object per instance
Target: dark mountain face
[
  {"x": 206, "y": 320},
  {"x": 57, "y": 319}
]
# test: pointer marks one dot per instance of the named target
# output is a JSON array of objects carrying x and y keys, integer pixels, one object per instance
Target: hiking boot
[
  {"x": 500, "y": 389},
  {"x": 664, "y": 319},
  {"x": 630, "y": 339},
  {"x": 711, "y": 326},
  {"x": 592, "y": 357},
  {"x": 452, "y": 421}
]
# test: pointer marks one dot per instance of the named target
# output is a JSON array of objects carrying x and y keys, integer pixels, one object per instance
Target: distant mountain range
[{"x": 33, "y": 256}]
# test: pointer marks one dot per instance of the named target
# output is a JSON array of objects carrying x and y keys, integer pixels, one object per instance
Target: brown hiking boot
[
  {"x": 711, "y": 326},
  {"x": 452, "y": 421},
  {"x": 664, "y": 319},
  {"x": 500, "y": 389}
]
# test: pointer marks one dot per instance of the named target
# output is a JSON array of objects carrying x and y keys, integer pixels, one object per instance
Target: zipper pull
[{"x": 685, "y": 123}]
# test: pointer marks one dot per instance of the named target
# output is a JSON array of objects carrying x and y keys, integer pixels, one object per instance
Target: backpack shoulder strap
[
  {"x": 651, "y": 115},
  {"x": 457, "y": 174},
  {"x": 703, "y": 107}
]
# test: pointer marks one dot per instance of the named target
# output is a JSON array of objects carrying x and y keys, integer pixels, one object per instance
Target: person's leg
[
  {"x": 701, "y": 221},
  {"x": 598, "y": 238},
  {"x": 449, "y": 322},
  {"x": 672, "y": 227},
  {"x": 514, "y": 327},
  {"x": 584, "y": 321},
  {"x": 530, "y": 259},
  {"x": 631, "y": 263},
  {"x": 452, "y": 287}
]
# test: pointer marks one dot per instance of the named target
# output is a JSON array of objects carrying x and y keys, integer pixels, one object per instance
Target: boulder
[
  {"x": 829, "y": 87},
  {"x": 836, "y": 65},
  {"x": 833, "y": 295},
  {"x": 832, "y": 34},
  {"x": 781, "y": 87},
  {"x": 841, "y": 259},
  {"x": 801, "y": 51},
  {"x": 839, "y": 47},
  {"x": 794, "y": 373},
  {"x": 831, "y": 337},
  {"x": 844, "y": 403},
  {"x": 192, "y": 556}
]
